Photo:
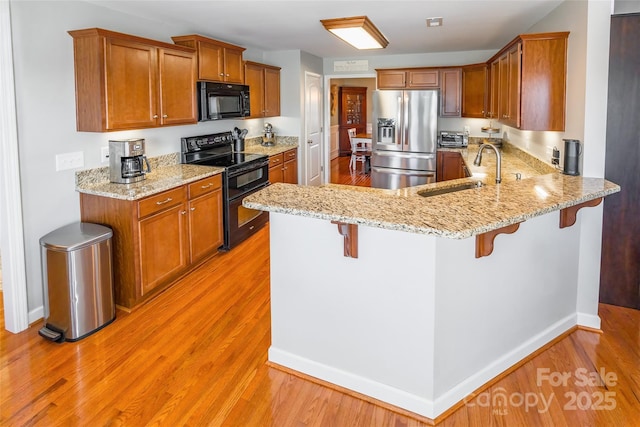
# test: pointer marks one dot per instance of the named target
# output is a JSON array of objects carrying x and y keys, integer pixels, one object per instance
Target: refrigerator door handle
[
  {"x": 405, "y": 120},
  {"x": 410, "y": 172},
  {"x": 399, "y": 137}
]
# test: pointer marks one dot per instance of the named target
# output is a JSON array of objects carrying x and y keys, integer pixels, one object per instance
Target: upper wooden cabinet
[
  {"x": 494, "y": 89},
  {"x": 264, "y": 89},
  {"x": 474, "y": 91},
  {"x": 409, "y": 78},
  {"x": 217, "y": 61},
  {"x": 532, "y": 74},
  {"x": 450, "y": 94},
  {"x": 128, "y": 82}
]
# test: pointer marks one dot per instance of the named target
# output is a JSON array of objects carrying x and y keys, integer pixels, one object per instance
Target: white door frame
[
  {"x": 14, "y": 281},
  {"x": 322, "y": 142},
  {"x": 327, "y": 116}
]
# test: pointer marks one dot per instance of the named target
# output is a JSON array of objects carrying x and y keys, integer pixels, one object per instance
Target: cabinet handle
[
  {"x": 155, "y": 116},
  {"x": 227, "y": 75},
  {"x": 164, "y": 116},
  {"x": 164, "y": 201},
  {"x": 192, "y": 209},
  {"x": 183, "y": 212},
  {"x": 204, "y": 187},
  {"x": 221, "y": 74}
]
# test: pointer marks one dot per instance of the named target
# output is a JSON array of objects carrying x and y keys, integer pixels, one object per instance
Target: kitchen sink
[{"x": 459, "y": 187}]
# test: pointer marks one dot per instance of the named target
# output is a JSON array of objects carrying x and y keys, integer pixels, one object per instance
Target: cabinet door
[
  {"x": 276, "y": 171},
  {"x": 474, "y": 91},
  {"x": 494, "y": 90},
  {"x": 451, "y": 96},
  {"x": 254, "y": 78},
  {"x": 131, "y": 83},
  {"x": 290, "y": 169},
  {"x": 205, "y": 224},
  {"x": 503, "y": 90},
  {"x": 271, "y": 92},
  {"x": 177, "y": 87},
  {"x": 163, "y": 246},
  {"x": 391, "y": 79},
  {"x": 210, "y": 62},
  {"x": 513, "y": 103},
  {"x": 450, "y": 166},
  {"x": 423, "y": 79},
  {"x": 233, "y": 69}
]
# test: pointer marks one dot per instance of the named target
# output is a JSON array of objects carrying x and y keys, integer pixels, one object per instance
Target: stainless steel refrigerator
[{"x": 404, "y": 138}]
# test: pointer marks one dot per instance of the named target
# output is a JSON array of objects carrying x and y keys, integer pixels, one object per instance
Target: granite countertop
[
  {"x": 166, "y": 173},
  {"x": 282, "y": 144},
  {"x": 455, "y": 215}
]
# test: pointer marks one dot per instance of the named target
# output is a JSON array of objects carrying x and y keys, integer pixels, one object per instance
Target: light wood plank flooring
[{"x": 196, "y": 355}]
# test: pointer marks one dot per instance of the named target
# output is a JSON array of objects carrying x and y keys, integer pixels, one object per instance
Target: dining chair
[{"x": 360, "y": 149}]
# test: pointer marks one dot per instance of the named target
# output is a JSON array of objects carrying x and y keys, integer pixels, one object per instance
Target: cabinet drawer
[
  {"x": 276, "y": 160},
  {"x": 204, "y": 186},
  {"x": 290, "y": 155},
  {"x": 161, "y": 201}
]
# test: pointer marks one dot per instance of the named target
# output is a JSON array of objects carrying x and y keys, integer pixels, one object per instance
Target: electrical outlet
[
  {"x": 467, "y": 130},
  {"x": 69, "y": 161},
  {"x": 104, "y": 154},
  {"x": 555, "y": 156}
]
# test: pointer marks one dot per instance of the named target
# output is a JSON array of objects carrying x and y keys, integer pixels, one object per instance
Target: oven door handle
[{"x": 250, "y": 167}]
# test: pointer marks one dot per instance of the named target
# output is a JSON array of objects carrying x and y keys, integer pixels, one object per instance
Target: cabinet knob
[
  {"x": 221, "y": 74},
  {"x": 155, "y": 116},
  {"x": 227, "y": 75},
  {"x": 192, "y": 209},
  {"x": 164, "y": 116},
  {"x": 183, "y": 212}
]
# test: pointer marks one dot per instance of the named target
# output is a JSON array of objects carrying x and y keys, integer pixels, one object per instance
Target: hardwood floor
[
  {"x": 197, "y": 355},
  {"x": 342, "y": 174}
]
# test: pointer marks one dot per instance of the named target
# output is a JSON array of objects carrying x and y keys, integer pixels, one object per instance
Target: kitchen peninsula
[{"x": 385, "y": 293}]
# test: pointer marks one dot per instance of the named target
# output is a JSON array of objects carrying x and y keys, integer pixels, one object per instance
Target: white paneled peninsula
[{"x": 409, "y": 299}]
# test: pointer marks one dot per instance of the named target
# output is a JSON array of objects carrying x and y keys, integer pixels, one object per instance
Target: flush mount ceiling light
[
  {"x": 358, "y": 31},
  {"x": 434, "y": 22}
]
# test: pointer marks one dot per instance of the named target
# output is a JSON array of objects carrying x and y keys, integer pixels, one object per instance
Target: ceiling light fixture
[
  {"x": 434, "y": 22},
  {"x": 358, "y": 31}
]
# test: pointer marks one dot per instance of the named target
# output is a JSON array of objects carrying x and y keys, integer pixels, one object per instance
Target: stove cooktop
[{"x": 215, "y": 150}]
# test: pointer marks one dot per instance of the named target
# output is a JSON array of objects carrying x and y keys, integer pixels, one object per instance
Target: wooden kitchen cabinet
[
  {"x": 450, "y": 93},
  {"x": 449, "y": 165},
  {"x": 217, "y": 61},
  {"x": 474, "y": 90},
  {"x": 352, "y": 114},
  {"x": 531, "y": 82},
  {"x": 159, "y": 238},
  {"x": 283, "y": 167},
  {"x": 409, "y": 78},
  {"x": 264, "y": 89},
  {"x": 128, "y": 82}
]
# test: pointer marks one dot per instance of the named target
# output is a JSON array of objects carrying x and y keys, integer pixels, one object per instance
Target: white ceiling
[{"x": 295, "y": 24}]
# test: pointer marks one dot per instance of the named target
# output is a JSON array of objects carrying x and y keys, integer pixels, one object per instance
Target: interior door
[{"x": 313, "y": 129}]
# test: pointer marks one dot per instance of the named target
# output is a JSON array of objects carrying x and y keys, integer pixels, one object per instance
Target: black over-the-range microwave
[{"x": 222, "y": 101}]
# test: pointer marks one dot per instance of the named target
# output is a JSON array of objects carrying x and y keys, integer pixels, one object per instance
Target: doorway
[{"x": 339, "y": 171}]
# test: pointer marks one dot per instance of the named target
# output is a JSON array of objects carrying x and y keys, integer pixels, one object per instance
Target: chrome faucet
[{"x": 478, "y": 160}]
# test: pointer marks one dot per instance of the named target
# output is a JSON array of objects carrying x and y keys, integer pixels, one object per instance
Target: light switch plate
[{"x": 69, "y": 161}]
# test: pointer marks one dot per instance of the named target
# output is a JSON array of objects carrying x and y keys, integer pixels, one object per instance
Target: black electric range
[{"x": 244, "y": 174}]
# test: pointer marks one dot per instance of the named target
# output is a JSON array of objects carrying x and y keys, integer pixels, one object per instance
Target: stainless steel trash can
[{"x": 77, "y": 277}]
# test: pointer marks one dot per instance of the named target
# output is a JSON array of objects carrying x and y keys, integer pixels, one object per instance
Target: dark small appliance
[
  {"x": 127, "y": 162},
  {"x": 572, "y": 153},
  {"x": 222, "y": 101}
]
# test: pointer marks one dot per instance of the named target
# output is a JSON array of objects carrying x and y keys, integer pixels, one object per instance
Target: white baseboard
[
  {"x": 36, "y": 314},
  {"x": 353, "y": 382},
  {"x": 420, "y": 405},
  {"x": 589, "y": 320}
]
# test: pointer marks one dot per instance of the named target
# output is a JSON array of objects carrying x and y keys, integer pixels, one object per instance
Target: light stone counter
[
  {"x": 456, "y": 215},
  {"x": 282, "y": 144},
  {"x": 166, "y": 173}
]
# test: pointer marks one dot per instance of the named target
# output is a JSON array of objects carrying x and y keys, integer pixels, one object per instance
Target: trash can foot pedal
[{"x": 51, "y": 334}]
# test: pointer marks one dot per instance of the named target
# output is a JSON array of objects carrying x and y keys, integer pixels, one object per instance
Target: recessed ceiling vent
[{"x": 434, "y": 22}]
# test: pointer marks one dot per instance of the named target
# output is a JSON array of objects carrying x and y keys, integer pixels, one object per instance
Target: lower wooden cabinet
[
  {"x": 159, "y": 238},
  {"x": 450, "y": 165},
  {"x": 283, "y": 167}
]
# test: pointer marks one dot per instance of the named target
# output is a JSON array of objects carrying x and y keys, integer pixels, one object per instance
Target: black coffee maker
[
  {"x": 572, "y": 153},
  {"x": 127, "y": 161}
]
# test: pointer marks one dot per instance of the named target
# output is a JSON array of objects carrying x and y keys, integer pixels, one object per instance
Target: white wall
[{"x": 43, "y": 63}]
